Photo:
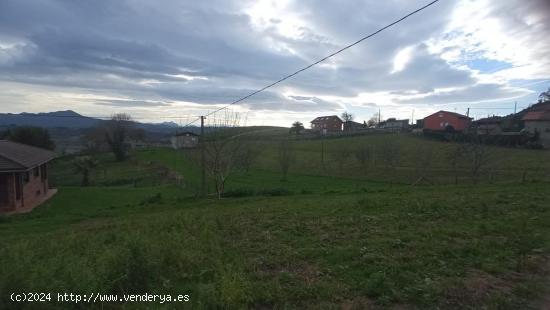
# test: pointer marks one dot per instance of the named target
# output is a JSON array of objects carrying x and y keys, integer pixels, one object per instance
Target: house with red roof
[{"x": 447, "y": 121}]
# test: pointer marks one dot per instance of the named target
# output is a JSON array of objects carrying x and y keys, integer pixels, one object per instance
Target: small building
[
  {"x": 23, "y": 177},
  {"x": 447, "y": 121},
  {"x": 489, "y": 125},
  {"x": 538, "y": 123},
  {"x": 354, "y": 126},
  {"x": 184, "y": 140},
  {"x": 393, "y": 124},
  {"x": 326, "y": 124}
]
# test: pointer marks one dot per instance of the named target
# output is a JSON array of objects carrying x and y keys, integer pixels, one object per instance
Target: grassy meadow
[{"x": 334, "y": 235}]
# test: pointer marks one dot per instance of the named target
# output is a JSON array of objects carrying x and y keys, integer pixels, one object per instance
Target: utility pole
[
  {"x": 515, "y": 106},
  {"x": 379, "y": 115},
  {"x": 203, "y": 164},
  {"x": 468, "y": 112}
]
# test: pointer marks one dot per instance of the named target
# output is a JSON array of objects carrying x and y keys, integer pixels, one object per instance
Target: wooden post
[{"x": 203, "y": 160}]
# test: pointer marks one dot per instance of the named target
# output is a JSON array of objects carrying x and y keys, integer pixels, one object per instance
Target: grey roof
[{"x": 15, "y": 156}]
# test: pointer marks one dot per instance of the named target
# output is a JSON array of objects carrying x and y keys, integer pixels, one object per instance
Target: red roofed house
[
  {"x": 538, "y": 122},
  {"x": 324, "y": 124},
  {"x": 23, "y": 177},
  {"x": 447, "y": 121}
]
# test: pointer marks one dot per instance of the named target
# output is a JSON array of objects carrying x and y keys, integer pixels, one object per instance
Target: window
[
  {"x": 18, "y": 189},
  {"x": 26, "y": 177},
  {"x": 36, "y": 172}
]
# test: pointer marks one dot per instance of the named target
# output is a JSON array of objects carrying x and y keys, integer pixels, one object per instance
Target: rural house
[
  {"x": 354, "y": 126},
  {"x": 23, "y": 176},
  {"x": 538, "y": 122},
  {"x": 446, "y": 121},
  {"x": 392, "y": 124},
  {"x": 326, "y": 124},
  {"x": 489, "y": 125},
  {"x": 184, "y": 140}
]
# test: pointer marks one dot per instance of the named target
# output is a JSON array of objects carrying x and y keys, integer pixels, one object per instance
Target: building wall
[
  {"x": 181, "y": 142},
  {"x": 8, "y": 190},
  {"x": 32, "y": 191},
  {"x": 439, "y": 121},
  {"x": 542, "y": 127},
  {"x": 329, "y": 125}
]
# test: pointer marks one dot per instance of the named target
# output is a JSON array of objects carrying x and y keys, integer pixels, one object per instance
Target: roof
[
  {"x": 537, "y": 116},
  {"x": 16, "y": 156},
  {"x": 490, "y": 120},
  {"x": 450, "y": 113},
  {"x": 322, "y": 119}
]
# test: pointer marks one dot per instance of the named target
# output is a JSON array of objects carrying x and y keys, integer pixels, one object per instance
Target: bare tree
[
  {"x": 117, "y": 131},
  {"x": 347, "y": 117},
  {"x": 286, "y": 158},
  {"x": 373, "y": 121},
  {"x": 363, "y": 155},
  {"x": 247, "y": 156},
  {"x": 83, "y": 165},
  {"x": 480, "y": 155},
  {"x": 221, "y": 150},
  {"x": 423, "y": 161},
  {"x": 390, "y": 153},
  {"x": 342, "y": 155},
  {"x": 454, "y": 156}
]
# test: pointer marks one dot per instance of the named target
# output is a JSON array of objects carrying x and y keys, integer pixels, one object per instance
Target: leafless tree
[
  {"x": 347, "y": 117},
  {"x": 221, "y": 150},
  {"x": 83, "y": 165},
  {"x": 423, "y": 161},
  {"x": 390, "y": 153},
  {"x": 480, "y": 156},
  {"x": 342, "y": 155},
  {"x": 286, "y": 157},
  {"x": 455, "y": 155},
  {"x": 373, "y": 121},
  {"x": 247, "y": 156},
  {"x": 117, "y": 132},
  {"x": 363, "y": 155}
]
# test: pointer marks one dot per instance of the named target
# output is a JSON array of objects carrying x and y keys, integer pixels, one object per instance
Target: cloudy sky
[{"x": 168, "y": 60}]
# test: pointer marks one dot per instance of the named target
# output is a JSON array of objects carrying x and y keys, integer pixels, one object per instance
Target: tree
[
  {"x": 545, "y": 96},
  {"x": 297, "y": 127},
  {"x": 373, "y": 121},
  {"x": 117, "y": 132},
  {"x": 455, "y": 155},
  {"x": 347, "y": 117},
  {"x": 480, "y": 156},
  {"x": 423, "y": 161},
  {"x": 221, "y": 150},
  {"x": 286, "y": 158},
  {"x": 83, "y": 165},
  {"x": 35, "y": 136},
  {"x": 389, "y": 151},
  {"x": 247, "y": 156},
  {"x": 363, "y": 155}
]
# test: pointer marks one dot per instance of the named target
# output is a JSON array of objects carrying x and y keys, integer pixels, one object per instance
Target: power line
[{"x": 319, "y": 61}]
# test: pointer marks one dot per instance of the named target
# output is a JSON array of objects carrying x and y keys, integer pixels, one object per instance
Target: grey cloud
[{"x": 131, "y": 103}]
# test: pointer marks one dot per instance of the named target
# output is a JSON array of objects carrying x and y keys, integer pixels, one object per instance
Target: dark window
[
  {"x": 36, "y": 172},
  {"x": 3, "y": 189},
  {"x": 26, "y": 177}
]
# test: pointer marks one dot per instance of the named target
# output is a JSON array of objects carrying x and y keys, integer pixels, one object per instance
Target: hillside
[{"x": 328, "y": 237}]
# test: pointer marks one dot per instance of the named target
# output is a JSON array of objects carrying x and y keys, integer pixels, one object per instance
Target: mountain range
[{"x": 69, "y": 119}]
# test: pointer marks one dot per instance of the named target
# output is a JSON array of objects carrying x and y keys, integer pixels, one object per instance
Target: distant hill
[{"x": 70, "y": 119}]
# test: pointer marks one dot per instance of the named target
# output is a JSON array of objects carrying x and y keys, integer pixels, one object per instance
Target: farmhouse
[
  {"x": 538, "y": 123},
  {"x": 326, "y": 124},
  {"x": 393, "y": 124},
  {"x": 489, "y": 125},
  {"x": 23, "y": 177},
  {"x": 446, "y": 121},
  {"x": 184, "y": 140},
  {"x": 353, "y": 126}
]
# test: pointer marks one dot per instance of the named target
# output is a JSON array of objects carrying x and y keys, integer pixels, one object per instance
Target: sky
[{"x": 171, "y": 60}]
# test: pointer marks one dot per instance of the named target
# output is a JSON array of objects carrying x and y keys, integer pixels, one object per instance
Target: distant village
[{"x": 530, "y": 127}]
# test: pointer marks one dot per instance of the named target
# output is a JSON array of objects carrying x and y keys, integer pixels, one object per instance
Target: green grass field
[{"x": 327, "y": 238}]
